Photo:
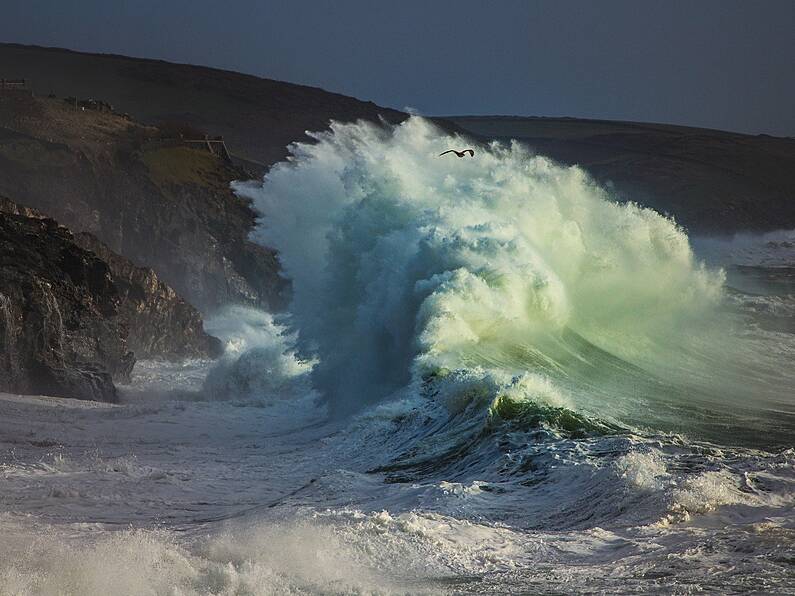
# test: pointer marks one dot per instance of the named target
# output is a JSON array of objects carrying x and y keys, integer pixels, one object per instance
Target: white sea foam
[
  {"x": 259, "y": 361},
  {"x": 402, "y": 261}
]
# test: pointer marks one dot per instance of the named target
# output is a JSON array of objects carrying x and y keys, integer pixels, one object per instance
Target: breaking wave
[{"x": 505, "y": 285}]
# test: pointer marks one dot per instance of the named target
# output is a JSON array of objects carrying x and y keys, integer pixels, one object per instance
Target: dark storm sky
[{"x": 715, "y": 63}]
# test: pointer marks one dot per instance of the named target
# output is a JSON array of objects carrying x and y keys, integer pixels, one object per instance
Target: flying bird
[{"x": 460, "y": 153}]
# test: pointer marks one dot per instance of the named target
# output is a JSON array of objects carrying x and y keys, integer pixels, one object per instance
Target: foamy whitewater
[{"x": 492, "y": 378}]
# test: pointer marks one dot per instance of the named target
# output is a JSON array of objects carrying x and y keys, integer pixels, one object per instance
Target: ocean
[{"x": 492, "y": 378}]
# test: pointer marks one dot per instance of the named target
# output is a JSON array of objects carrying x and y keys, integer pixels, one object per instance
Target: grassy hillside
[
  {"x": 711, "y": 181},
  {"x": 258, "y": 117},
  {"x": 161, "y": 205}
]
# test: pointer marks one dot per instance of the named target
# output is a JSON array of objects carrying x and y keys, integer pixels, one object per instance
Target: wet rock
[
  {"x": 60, "y": 333},
  {"x": 74, "y": 315},
  {"x": 161, "y": 324}
]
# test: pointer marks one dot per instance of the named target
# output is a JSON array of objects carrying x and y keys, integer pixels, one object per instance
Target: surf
[{"x": 505, "y": 267}]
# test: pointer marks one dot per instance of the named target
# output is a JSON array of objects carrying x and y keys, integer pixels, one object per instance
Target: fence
[
  {"x": 216, "y": 146},
  {"x": 16, "y": 87}
]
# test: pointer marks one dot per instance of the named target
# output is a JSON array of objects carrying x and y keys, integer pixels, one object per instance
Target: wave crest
[{"x": 404, "y": 263}]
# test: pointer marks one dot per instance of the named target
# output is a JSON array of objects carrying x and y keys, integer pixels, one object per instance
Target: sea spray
[
  {"x": 404, "y": 263},
  {"x": 258, "y": 361}
]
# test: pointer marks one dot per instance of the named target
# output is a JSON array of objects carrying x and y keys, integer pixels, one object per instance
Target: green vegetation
[{"x": 181, "y": 165}]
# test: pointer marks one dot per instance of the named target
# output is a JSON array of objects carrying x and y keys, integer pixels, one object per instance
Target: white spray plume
[{"x": 404, "y": 262}]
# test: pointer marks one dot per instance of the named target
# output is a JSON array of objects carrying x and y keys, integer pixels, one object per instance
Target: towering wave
[{"x": 505, "y": 270}]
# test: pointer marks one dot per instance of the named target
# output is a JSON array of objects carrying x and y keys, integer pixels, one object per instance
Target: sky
[{"x": 725, "y": 64}]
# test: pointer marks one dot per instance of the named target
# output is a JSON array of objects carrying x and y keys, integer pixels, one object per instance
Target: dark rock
[
  {"x": 161, "y": 324},
  {"x": 58, "y": 314},
  {"x": 74, "y": 315},
  {"x": 160, "y": 204}
]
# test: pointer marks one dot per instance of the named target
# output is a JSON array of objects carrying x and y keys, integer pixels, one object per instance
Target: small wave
[{"x": 259, "y": 362}]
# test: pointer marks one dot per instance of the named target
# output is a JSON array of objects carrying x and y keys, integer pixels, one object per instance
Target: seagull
[{"x": 460, "y": 153}]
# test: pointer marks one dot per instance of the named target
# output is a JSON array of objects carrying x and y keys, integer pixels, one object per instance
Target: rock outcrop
[
  {"x": 59, "y": 324},
  {"x": 159, "y": 203},
  {"x": 74, "y": 315},
  {"x": 161, "y": 324}
]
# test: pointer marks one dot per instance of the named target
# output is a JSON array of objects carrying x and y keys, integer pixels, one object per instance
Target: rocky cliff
[
  {"x": 157, "y": 202},
  {"x": 161, "y": 324},
  {"x": 74, "y": 315},
  {"x": 162, "y": 205},
  {"x": 59, "y": 324}
]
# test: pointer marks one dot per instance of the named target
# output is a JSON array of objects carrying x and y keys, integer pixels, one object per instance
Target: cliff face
[
  {"x": 165, "y": 207},
  {"x": 58, "y": 314},
  {"x": 74, "y": 315},
  {"x": 160, "y": 323},
  {"x": 159, "y": 204}
]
